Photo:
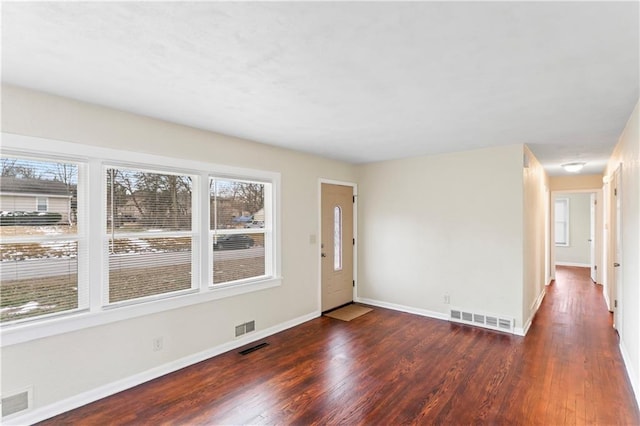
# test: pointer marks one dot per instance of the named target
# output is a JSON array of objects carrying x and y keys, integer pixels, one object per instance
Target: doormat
[{"x": 349, "y": 312}]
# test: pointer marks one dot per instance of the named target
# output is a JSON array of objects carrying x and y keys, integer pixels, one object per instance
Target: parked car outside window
[{"x": 233, "y": 242}]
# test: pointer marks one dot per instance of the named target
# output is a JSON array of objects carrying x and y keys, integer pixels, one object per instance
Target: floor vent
[
  {"x": 16, "y": 403},
  {"x": 494, "y": 322},
  {"x": 253, "y": 348}
]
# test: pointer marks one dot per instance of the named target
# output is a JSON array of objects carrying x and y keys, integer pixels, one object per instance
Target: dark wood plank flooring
[{"x": 388, "y": 367}]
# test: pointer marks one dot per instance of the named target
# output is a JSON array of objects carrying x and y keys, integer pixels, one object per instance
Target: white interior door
[
  {"x": 592, "y": 238},
  {"x": 336, "y": 245},
  {"x": 617, "y": 250}
]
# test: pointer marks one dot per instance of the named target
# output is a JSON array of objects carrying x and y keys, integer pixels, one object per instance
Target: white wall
[
  {"x": 536, "y": 208},
  {"x": 577, "y": 253},
  {"x": 445, "y": 224},
  {"x": 66, "y": 365},
  {"x": 627, "y": 153}
]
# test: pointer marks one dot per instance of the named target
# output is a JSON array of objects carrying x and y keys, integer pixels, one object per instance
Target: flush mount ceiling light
[{"x": 573, "y": 167}]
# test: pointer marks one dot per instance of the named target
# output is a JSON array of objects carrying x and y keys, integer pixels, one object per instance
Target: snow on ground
[{"x": 25, "y": 309}]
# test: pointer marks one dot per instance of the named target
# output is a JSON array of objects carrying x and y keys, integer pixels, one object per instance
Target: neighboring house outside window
[{"x": 26, "y": 194}]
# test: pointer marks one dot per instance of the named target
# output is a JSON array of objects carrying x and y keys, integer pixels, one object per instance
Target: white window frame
[
  {"x": 193, "y": 233},
  {"x": 80, "y": 237},
  {"x": 93, "y": 189},
  {"x": 46, "y": 203},
  {"x": 566, "y": 221},
  {"x": 267, "y": 230}
]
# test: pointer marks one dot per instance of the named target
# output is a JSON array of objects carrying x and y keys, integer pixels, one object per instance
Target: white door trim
[
  {"x": 319, "y": 236},
  {"x": 552, "y": 228}
]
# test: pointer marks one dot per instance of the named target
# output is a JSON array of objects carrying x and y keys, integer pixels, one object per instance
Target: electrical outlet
[
  {"x": 157, "y": 344},
  {"x": 447, "y": 299}
]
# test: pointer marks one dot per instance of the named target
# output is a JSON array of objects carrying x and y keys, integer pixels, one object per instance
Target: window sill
[{"x": 25, "y": 332}]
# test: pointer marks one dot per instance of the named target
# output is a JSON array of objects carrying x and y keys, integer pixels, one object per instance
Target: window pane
[
  {"x": 236, "y": 204},
  {"x": 38, "y": 278},
  {"x": 138, "y": 200},
  {"x": 42, "y": 204},
  {"x": 561, "y": 210},
  {"x": 561, "y": 215},
  {"x": 337, "y": 238},
  {"x": 39, "y": 269},
  {"x": 561, "y": 232},
  {"x": 37, "y": 197},
  {"x": 237, "y": 257},
  {"x": 140, "y": 267},
  {"x": 139, "y": 203}
]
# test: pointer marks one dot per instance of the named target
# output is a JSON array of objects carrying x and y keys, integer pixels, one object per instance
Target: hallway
[
  {"x": 572, "y": 357},
  {"x": 389, "y": 367}
]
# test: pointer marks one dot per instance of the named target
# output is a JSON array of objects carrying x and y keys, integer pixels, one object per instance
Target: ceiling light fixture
[{"x": 573, "y": 167}]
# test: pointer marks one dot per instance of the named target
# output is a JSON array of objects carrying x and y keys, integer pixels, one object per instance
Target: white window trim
[
  {"x": 193, "y": 234},
  {"x": 565, "y": 200},
  {"x": 97, "y": 313}
]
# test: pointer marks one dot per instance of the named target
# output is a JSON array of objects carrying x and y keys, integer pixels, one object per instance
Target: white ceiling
[{"x": 359, "y": 82}]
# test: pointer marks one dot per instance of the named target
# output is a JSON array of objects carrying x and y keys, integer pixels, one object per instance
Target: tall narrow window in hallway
[{"x": 561, "y": 221}]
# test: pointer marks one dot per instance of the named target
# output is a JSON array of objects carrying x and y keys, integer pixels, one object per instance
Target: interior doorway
[
  {"x": 337, "y": 243},
  {"x": 576, "y": 230}
]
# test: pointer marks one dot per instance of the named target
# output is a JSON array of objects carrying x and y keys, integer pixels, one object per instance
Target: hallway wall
[{"x": 627, "y": 153}]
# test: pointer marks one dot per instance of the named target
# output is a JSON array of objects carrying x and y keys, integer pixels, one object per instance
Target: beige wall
[
  {"x": 441, "y": 225},
  {"x": 66, "y": 365},
  {"x": 575, "y": 183},
  {"x": 627, "y": 153},
  {"x": 578, "y": 252},
  {"x": 535, "y": 211}
]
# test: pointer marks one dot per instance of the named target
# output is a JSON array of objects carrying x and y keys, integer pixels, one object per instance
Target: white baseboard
[
  {"x": 581, "y": 265},
  {"x": 403, "y": 308},
  {"x": 417, "y": 311},
  {"x": 631, "y": 372},
  {"x": 606, "y": 300},
  {"x": 43, "y": 413},
  {"x": 533, "y": 311}
]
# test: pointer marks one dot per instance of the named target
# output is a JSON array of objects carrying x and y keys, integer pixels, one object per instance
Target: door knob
[
  {"x": 323, "y": 255},
  {"x": 615, "y": 265}
]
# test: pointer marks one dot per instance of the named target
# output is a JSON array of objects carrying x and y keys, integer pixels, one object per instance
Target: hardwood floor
[{"x": 388, "y": 367}]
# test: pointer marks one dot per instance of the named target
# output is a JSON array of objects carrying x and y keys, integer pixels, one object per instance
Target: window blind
[
  {"x": 149, "y": 227},
  {"x": 40, "y": 239}
]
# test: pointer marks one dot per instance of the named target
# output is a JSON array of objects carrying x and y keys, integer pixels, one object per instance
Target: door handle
[
  {"x": 323, "y": 254},
  {"x": 615, "y": 265}
]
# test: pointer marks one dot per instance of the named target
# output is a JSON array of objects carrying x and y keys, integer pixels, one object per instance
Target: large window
[
  {"x": 237, "y": 228},
  {"x": 149, "y": 233},
  {"x": 105, "y": 235},
  {"x": 561, "y": 221},
  {"x": 40, "y": 240}
]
